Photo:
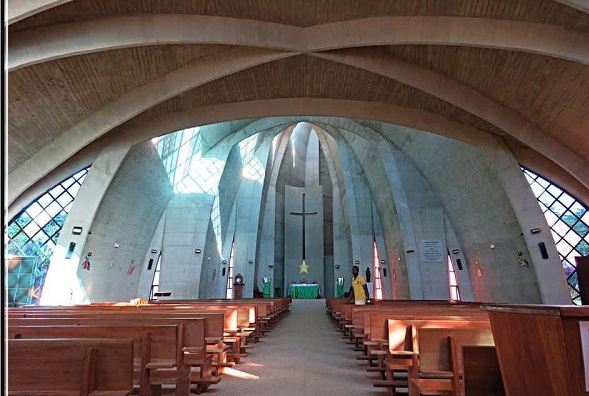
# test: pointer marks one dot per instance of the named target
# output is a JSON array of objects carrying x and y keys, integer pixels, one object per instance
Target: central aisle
[{"x": 302, "y": 355}]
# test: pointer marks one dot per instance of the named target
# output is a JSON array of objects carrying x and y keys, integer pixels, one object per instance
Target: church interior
[{"x": 182, "y": 151}]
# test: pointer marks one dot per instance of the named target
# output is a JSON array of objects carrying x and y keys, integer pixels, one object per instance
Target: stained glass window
[{"x": 568, "y": 219}]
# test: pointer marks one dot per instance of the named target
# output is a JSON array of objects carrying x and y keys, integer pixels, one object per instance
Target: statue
[{"x": 367, "y": 274}]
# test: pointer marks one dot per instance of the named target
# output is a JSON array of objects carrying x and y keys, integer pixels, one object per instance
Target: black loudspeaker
[
  {"x": 459, "y": 264},
  {"x": 150, "y": 264},
  {"x": 384, "y": 272},
  {"x": 223, "y": 272},
  {"x": 543, "y": 250},
  {"x": 70, "y": 250}
]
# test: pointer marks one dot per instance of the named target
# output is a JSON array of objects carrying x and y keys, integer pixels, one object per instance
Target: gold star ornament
[{"x": 303, "y": 268}]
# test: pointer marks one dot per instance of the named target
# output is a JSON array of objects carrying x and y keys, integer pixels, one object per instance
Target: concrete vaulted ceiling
[{"x": 82, "y": 74}]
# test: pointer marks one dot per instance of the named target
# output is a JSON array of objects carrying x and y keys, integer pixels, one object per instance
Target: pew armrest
[
  {"x": 402, "y": 354},
  {"x": 110, "y": 393},
  {"x": 43, "y": 393},
  {"x": 159, "y": 364},
  {"x": 436, "y": 374},
  {"x": 195, "y": 350}
]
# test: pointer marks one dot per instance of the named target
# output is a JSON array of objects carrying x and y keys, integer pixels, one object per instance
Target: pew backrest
[{"x": 70, "y": 366}]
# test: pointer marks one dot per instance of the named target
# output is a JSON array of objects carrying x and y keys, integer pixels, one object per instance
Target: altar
[{"x": 304, "y": 290}]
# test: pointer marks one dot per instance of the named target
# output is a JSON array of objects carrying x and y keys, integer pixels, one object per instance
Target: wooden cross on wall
[{"x": 303, "y": 214}]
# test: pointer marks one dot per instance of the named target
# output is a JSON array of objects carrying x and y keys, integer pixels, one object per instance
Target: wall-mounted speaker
[
  {"x": 459, "y": 264},
  {"x": 543, "y": 250},
  {"x": 384, "y": 272},
  {"x": 150, "y": 264}
]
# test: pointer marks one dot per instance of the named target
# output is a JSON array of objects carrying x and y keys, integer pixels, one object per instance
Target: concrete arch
[
  {"x": 134, "y": 102},
  {"x": 18, "y": 10},
  {"x": 58, "y": 41},
  {"x": 537, "y": 38},
  {"x": 581, "y": 5},
  {"x": 470, "y": 100},
  {"x": 27, "y": 174},
  {"x": 43, "y": 44},
  {"x": 290, "y": 109}
]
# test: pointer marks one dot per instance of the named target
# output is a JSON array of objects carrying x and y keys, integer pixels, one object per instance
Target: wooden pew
[
  {"x": 376, "y": 328},
  {"x": 85, "y": 367},
  {"x": 437, "y": 360},
  {"x": 482, "y": 375},
  {"x": 401, "y": 346},
  {"x": 213, "y": 328},
  {"x": 540, "y": 348},
  {"x": 268, "y": 311},
  {"x": 217, "y": 321},
  {"x": 156, "y": 347}
]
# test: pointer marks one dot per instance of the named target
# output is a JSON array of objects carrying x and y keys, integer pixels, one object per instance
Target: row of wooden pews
[
  {"x": 472, "y": 349},
  {"x": 179, "y": 345},
  {"x": 417, "y": 346}
]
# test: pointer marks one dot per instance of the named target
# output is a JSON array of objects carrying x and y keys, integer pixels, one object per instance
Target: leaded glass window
[
  {"x": 31, "y": 237},
  {"x": 568, "y": 219},
  {"x": 453, "y": 282},
  {"x": 155, "y": 283}
]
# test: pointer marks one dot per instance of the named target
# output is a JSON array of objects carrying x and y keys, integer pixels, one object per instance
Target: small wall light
[
  {"x": 270, "y": 265},
  {"x": 455, "y": 251},
  {"x": 153, "y": 251},
  {"x": 536, "y": 230},
  {"x": 224, "y": 262},
  {"x": 479, "y": 269},
  {"x": 77, "y": 230},
  {"x": 197, "y": 251},
  {"x": 250, "y": 261},
  {"x": 357, "y": 262},
  {"x": 410, "y": 251},
  {"x": 383, "y": 261},
  {"x": 117, "y": 245},
  {"x": 337, "y": 266}
]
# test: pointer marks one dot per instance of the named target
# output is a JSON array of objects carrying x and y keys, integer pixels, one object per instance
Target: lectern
[{"x": 238, "y": 287}]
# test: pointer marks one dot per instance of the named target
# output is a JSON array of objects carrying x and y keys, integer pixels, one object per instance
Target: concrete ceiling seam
[
  {"x": 47, "y": 43},
  {"x": 131, "y": 104},
  {"x": 467, "y": 99}
]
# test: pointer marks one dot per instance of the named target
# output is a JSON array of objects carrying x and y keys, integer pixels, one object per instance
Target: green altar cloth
[{"x": 304, "y": 291}]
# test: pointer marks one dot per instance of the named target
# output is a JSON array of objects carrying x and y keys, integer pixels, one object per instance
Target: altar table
[{"x": 304, "y": 290}]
